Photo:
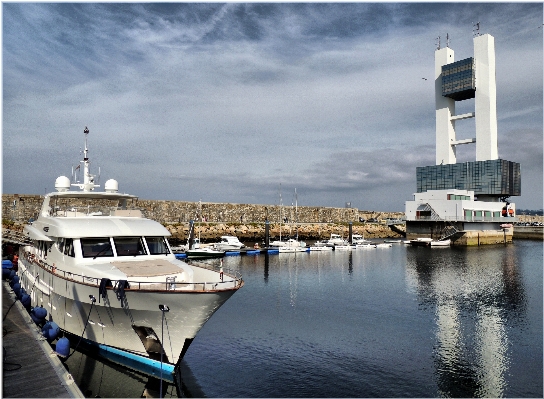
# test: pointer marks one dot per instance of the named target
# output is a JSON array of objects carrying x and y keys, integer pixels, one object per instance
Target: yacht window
[
  {"x": 60, "y": 245},
  {"x": 96, "y": 247},
  {"x": 69, "y": 247},
  {"x": 157, "y": 246},
  {"x": 129, "y": 246}
]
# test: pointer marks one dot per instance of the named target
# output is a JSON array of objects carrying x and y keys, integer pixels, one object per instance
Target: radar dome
[
  {"x": 62, "y": 183},
  {"x": 111, "y": 186}
]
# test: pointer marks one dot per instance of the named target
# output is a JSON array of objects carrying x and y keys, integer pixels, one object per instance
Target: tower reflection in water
[{"x": 474, "y": 293}]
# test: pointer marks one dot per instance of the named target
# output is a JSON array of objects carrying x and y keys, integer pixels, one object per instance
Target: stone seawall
[
  {"x": 21, "y": 208},
  {"x": 243, "y": 220}
]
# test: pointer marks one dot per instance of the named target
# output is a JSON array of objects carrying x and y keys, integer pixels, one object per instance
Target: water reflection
[
  {"x": 475, "y": 292},
  {"x": 101, "y": 378}
]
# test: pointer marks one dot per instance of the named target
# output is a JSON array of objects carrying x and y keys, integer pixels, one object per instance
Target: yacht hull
[{"x": 131, "y": 321}]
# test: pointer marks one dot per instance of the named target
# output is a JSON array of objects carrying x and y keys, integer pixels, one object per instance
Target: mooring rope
[{"x": 93, "y": 300}]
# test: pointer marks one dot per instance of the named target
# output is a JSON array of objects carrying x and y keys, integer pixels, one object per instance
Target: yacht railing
[
  {"x": 85, "y": 211},
  {"x": 231, "y": 279}
]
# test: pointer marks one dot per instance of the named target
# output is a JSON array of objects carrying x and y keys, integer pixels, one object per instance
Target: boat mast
[
  {"x": 296, "y": 214},
  {"x": 88, "y": 179},
  {"x": 281, "y": 214}
]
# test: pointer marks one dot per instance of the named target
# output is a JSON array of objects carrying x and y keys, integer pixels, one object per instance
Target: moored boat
[
  {"x": 107, "y": 274},
  {"x": 441, "y": 243},
  {"x": 204, "y": 252},
  {"x": 228, "y": 242},
  {"x": 421, "y": 241}
]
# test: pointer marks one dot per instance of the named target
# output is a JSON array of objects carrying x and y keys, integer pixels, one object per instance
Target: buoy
[
  {"x": 25, "y": 300},
  {"x": 38, "y": 315},
  {"x": 50, "y": 331},
  {"x": 14, "y": 280},
  {"x": 63, "y": 347},
  {"x": 16, "y": 288},
  {"x": 6, "y": 273}
]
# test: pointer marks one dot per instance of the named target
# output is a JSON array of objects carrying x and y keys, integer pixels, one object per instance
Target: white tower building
[{"x": 462, "y": 80}]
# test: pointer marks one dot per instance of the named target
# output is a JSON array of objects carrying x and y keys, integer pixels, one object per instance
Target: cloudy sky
[{"x": 231, "y": 102}]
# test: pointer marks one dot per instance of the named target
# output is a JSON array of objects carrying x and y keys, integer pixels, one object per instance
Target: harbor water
[{"x": 385, "y": 322}]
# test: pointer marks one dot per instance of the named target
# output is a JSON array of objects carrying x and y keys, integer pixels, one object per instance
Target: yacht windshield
[
  {"x": 129, "y": 246},
  {"x": 157, "y": 246},
  {"x": 96, "y": 247}
]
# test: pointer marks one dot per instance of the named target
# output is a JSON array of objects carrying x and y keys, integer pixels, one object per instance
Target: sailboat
[
  {"x": 293, "y": 244},
  {"x": 200, "y": 252}
]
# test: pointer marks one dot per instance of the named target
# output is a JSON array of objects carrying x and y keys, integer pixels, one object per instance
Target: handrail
[{"x": 235, "y": 282}]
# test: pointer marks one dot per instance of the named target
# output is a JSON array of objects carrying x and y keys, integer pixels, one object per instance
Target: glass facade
[
  {"x": 496, "y": 177},
  {"x": 458, "y": 80}
]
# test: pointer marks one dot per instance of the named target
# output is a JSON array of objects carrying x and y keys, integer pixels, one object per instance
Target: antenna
[
  {"x": 447, "y": 40},
  {"x": 476, "y": 29},
  {"x": 438, "y": 43},
  {"x": 88, "y": 179}
]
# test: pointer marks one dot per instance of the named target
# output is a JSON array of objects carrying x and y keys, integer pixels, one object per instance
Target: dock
[{"x": 30, "y": 369}]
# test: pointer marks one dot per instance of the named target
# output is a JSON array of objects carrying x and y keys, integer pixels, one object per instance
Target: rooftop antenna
[
  {"x": 476, "y": 29},
  {"x": 438, "y": 43},
  {"x": 447, "y": 40}
]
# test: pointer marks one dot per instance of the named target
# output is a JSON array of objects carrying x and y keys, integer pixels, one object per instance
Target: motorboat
[
  {"x": 204, "y": 252},
  {"x": 441, "y": 243},
  {"x": 342, "y": 247},
  {"x": 336, "y": 239},
  {"x": 364, "y": 246},
  {"x": 359, "y": 239},
  {"x": 320, "y": 248},
  {"x": 106, "y": 273},
  {"x": 290, "y": 243},
  {"x": 228, "y": 242},
  {"x": 384, "y": 245},
  {"x": 178, "y": 248},
  {"x": 291, "y": 249},
  {"x": 421, "y": 241}
]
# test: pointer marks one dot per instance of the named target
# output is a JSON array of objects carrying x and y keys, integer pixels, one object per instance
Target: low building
[{"x": 458, "y": 215}]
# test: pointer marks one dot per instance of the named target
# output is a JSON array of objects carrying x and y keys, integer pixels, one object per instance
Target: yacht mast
[{"x": 88, "y": 179}]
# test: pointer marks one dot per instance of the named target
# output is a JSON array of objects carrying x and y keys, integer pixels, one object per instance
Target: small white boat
[
  {"x": 342, "y": 247},
  {"x": 290, "y": 243},
  {"x": 421, "y": 241},
  {"x": 442, "y": 243},
  {"x": 384, "y": 245},
  {"x": 320, "y": 248},
  {"x": 359, "y": 239},
  {"x": 204, "y": 252},
  {"x": 336, "y": 239},
  {"x": 178, "y": 248},
  {"x": 227, "y": 243},
  {"x": 364, "y": 246},
  {"x": 290, "y": 250}
]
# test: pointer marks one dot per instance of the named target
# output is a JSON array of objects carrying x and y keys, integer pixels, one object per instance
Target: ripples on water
[{"x": 394, "y": 322}]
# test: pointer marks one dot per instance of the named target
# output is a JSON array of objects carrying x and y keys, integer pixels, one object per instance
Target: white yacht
[
  {"x": 228, "y": 243},
  {"x": 336, "y": 239},
  {"x": 106, "y": 273},
  {"x": 359, "y": 239}
]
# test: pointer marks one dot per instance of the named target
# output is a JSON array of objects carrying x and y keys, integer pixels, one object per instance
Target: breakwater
[{"x": 244, "y": 220}]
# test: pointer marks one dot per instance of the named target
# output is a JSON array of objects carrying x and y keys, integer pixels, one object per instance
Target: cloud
[{"x": 226, "y": 101}]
